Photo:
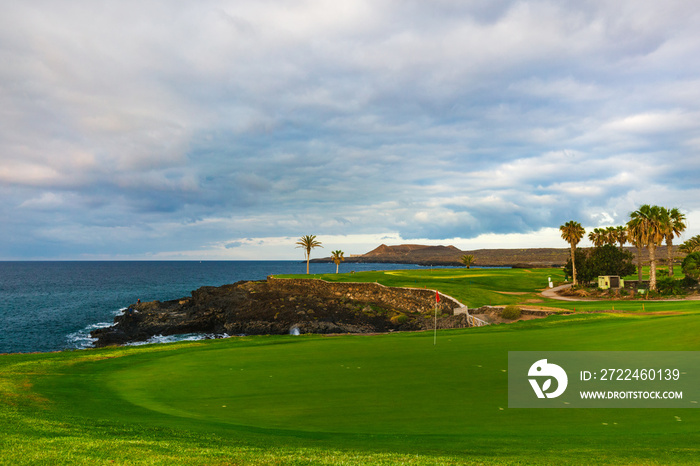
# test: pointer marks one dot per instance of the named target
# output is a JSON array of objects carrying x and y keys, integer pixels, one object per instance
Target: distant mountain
[
  {"x": 450, "y": 255},
  {"x": 415, "y": 251}
]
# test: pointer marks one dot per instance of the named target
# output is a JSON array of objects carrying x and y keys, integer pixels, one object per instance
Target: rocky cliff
[{"x": 277, "y": 306}]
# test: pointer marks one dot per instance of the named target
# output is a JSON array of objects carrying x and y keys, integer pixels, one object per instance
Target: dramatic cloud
[{"x": 225, "y": 129}]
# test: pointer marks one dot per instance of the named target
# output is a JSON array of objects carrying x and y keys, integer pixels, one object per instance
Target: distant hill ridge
[
  {"x": 450, "y": 255},
  {"x": 403, "y": 250}
]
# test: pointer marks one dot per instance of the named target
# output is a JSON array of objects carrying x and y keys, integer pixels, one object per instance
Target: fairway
[
  {"x": 349, "y": 399},
  {"x": 472, "y": 287},
  {"x": 452, "y": 276},
  {"x": 491, "y": 287}
]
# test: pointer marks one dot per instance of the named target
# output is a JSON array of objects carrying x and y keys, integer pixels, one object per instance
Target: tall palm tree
[
  {"x": 467, "y": 260},
  {"x": 648, "y": 225},
  {"x": 674, "y": 227},
  {"x": 308, "y": 242},
  {"x": 572, "y": 232},
  {"x": 337, "y": 257}
]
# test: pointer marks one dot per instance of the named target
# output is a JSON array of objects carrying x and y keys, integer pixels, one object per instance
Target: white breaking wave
[
  {"x": 82, "y": 339},
  {"x": 181, "y": 337}
]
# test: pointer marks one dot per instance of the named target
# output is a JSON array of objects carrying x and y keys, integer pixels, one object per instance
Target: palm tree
[
  {"x": 611, "y": 236},
  {"x": 308, "y": 242},
  {"x": 467, "y": 260},
  {"x": 647, "y": 226},
  {"x": 598, "y": 237},
  {"x": 690, "y": 245},
  {"x": 621, "y": 235},
  {"x": 572, "y": 232},
  {"x": 337, "y": 257},
  {"x": 674, "y": 227}
]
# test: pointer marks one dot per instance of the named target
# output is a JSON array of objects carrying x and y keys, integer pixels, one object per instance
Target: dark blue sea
[{"x": 51, "y": 306}]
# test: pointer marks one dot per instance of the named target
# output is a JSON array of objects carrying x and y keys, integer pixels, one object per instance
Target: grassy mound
[{"x": 511, "y": 312}]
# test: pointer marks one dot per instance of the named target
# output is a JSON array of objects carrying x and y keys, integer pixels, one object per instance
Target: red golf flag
[{"x": 437, "y": 297}]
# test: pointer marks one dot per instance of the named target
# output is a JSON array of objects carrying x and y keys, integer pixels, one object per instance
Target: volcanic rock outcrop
[{"x": 278, "y": 306}]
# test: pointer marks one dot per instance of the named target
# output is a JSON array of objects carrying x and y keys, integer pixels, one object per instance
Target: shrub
[
  {"x": 667, "y": 285},
  {"x": 689, "y": 282},
  {"x": 584, "y": 273},
  {"x": 399, "y": 319},
  {"x": 511, "y": 312},
  {"x": 691, "y": 265},
  {"x": 602, "y": 260},
  {"x": 610, "y": 260}
]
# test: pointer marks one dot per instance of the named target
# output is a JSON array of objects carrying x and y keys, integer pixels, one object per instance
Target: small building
[{"x": 606, "y": 282}]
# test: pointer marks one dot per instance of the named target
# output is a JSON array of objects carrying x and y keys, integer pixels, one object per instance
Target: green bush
[
  {"x": 602, "y": 260},
  {"x": 511, "y": 312},
  {"x": 668, "y": 286},
  {"x": 689, "y": 282},
  {"x": 691, "y": 265}
]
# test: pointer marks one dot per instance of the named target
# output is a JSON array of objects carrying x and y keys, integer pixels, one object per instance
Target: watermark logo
[
  {"x": 604, "y": 379},
  {"x": 546, "y": 371}
]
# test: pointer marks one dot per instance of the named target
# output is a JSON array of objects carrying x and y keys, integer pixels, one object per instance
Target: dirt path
[{"x": 553, "y": 293}]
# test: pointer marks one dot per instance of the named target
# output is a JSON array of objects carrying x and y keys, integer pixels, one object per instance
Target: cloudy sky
[{"x": 163, "y": 129}]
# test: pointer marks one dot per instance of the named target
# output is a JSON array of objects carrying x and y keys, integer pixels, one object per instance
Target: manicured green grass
[
  {"x": 478, "y": 287},
  {"x": 660, "y": 268},
  {"x": 380, "y": 399},
  {"x": 386, "y": 398},
  {"x": 629, "y": 306},
  {"x": 472, "y": 287}
]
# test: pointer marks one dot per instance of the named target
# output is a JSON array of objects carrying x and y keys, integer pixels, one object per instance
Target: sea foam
[
  {"x": 181, "y": 337},
  {"x": 82, "y": 339}
]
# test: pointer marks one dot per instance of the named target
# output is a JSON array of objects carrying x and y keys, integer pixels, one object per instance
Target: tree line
[{"x": 648, "y": 227}]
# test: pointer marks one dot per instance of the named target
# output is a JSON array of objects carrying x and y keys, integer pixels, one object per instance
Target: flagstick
[
  {"x": 435, "y": 335},
  {"x": 437, "y": 300}
]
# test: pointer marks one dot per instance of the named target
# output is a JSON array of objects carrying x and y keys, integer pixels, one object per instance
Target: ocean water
[{"x": 52, "y": 306}]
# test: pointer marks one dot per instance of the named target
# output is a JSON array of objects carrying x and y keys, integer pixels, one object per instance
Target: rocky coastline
[{"x": 279, "y": 306}]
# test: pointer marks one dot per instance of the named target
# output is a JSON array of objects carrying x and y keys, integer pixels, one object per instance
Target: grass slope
[
  {"x": 381, "y": 399},
  {"x": 479, "y": 287},
  {"x": 472, "y": 287}
]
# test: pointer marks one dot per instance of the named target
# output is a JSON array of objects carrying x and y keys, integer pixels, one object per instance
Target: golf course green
[{"x": 348, "y": 399}]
